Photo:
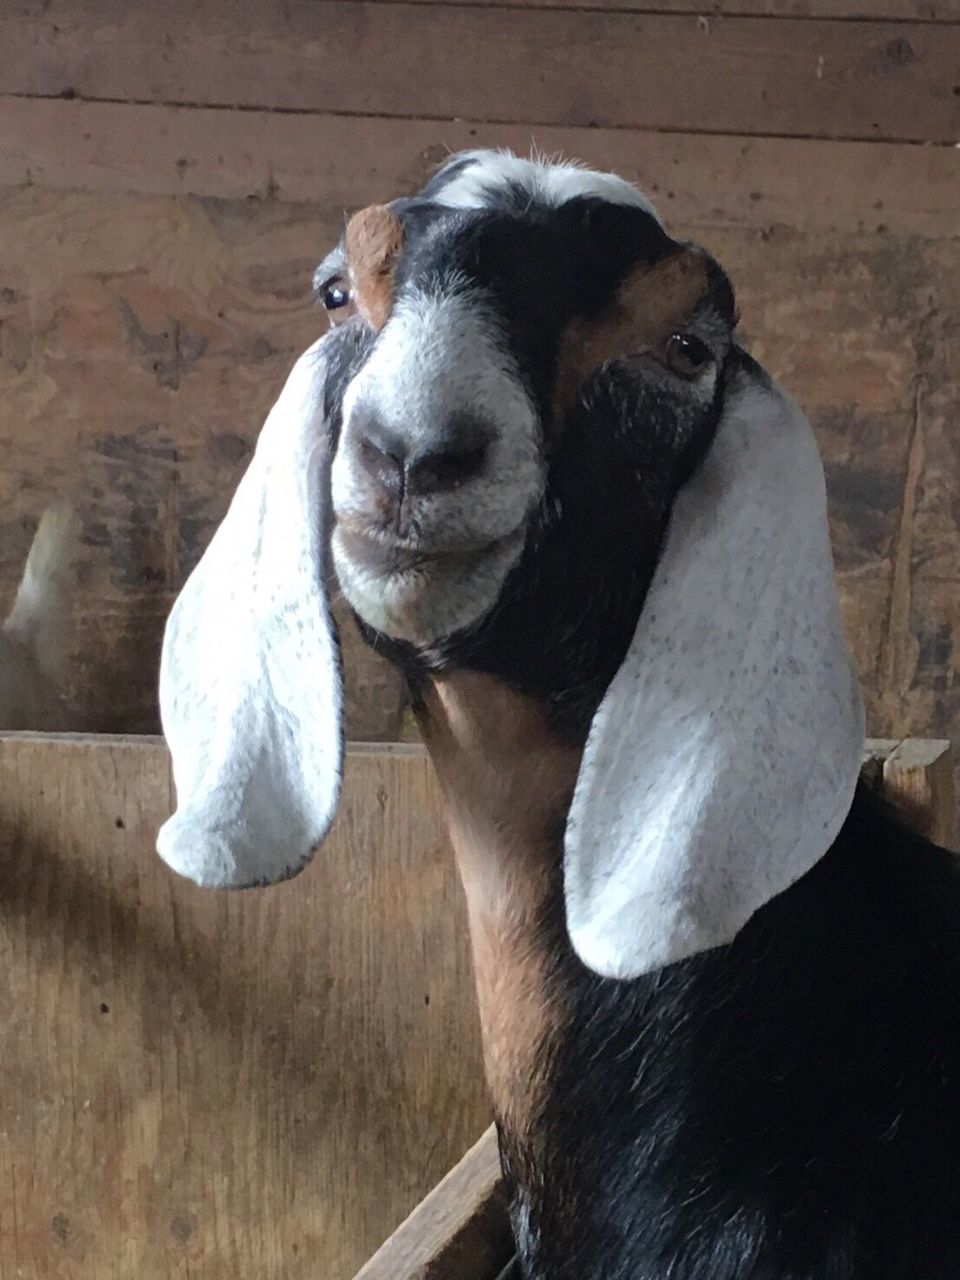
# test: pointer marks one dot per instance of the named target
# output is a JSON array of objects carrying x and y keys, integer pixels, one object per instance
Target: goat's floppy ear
[
  {"x": 250, "y": 682},
  {"x": 723, "y": 758}
]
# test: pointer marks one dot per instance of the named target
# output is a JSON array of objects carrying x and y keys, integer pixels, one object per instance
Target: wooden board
[
  {"x": 836, "y": 79},
  {"x": 143, "y": 339},
  {"x": 885, "y": 10},
  {"x": 460, "y": 1231},
  {"x": 141, "y": 345},
  {"x": 259, "y": 1084},
  {"x": 917, "y": 775},
  {"x": 697, "y": 180},
  {"x": 236, "y": 1084}
]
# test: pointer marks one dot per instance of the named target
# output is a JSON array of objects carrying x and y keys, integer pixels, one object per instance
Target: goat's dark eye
[
  {"x": 335, "y": 297},
  {"x": 337, "y": 301},
  {"x": 687, "y": 355}
]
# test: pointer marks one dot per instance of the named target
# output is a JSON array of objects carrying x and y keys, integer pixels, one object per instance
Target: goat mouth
[
  {"x": 383, "y": 552},
  {"x": 421, "y": 593}
]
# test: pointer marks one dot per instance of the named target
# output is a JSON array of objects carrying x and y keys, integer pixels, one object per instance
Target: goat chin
[{"x": 33, "y": 638}]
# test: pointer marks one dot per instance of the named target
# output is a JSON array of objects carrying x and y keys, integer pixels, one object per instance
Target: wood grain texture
[
  {"x": 142, "y": 340},
  {"x": 918, "y": 777},
  {"x": 460, "y": 1231},
  {"x": 141, "y": 345},
  {"x": 840, "y": 79},
  {"x": 229, "y": 1084},
  {"x": 219, "y": 1085},
  {"x": 883, "y": 10},
  {"x": 343, "y": 163}
]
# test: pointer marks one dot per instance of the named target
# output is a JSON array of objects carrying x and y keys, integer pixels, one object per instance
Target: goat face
[
  {"x": 527, "y": 366},
  {"x": 529, "y": 377}
]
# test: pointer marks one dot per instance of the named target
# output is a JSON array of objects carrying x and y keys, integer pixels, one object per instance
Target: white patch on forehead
[{"x": 551, "y": 183}]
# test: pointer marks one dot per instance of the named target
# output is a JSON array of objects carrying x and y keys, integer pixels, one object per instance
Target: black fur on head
[{"x": 622, "y": 411}]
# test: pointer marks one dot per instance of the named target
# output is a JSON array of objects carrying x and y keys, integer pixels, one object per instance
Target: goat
[
  {"x": 719, "y": 983},
  {"x": 32, "y": 639}
]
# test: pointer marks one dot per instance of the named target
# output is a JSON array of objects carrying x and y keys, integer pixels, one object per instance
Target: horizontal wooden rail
[
  {"x": 744, "y": 75},
  {"x": 696, "y": 180}
]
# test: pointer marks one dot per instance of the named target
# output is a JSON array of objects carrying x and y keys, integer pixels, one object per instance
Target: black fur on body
[{"x": 783, "y": 1108}]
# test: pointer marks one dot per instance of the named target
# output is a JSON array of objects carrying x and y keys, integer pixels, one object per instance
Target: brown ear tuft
[{"x": 373, "y": 241}]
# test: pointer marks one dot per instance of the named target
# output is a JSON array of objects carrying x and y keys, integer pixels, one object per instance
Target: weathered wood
[
  {"x": 836, "y": 79},
  {"x": 222, "y": 1085},
  {"x": 253, "y": 1083},
  {"x": 697, "y": 180},
  {"x": 884, "y": 10},
  {"x": 143, "y": 339},
  {"x": 141, "y": 345},
  {"x": 917, "y": 775},
  {"x": 459, "y": 1232}
]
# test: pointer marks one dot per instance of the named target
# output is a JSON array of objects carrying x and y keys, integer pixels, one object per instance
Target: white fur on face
[
  {"x": 437, "y": 357},
  {"x": 549, "y": 183}
]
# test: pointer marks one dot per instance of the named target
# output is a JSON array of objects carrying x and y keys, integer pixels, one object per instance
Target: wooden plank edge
[
  {"x": 357, "y": 748},
  {"x": 459, "y": 1232},
  {"x": 700, "y": 180},
  {"x": 920, "y": 11},
  {"x": 917, "y": 776},
  {"x": 838, "y": 78}
]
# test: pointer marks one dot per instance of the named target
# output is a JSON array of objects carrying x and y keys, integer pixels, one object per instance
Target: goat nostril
[
  {"x": 445, "y": 469},
  {"x": 386, "y": 468}
]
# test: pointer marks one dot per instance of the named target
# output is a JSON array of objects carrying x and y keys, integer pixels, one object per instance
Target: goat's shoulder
[{"x": 786, "y": 1105}]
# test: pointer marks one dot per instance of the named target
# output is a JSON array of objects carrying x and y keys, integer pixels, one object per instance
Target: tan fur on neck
[{"x": 507, "y": 783}]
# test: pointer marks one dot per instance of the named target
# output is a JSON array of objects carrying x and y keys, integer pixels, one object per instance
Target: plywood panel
[
  {"x": 841, "y": 79},
  {"x": 142, "y": 340},
  {"x": 885, "y": 10},
  {"x": 222, "y": 1085},
  {"x": 141, "y": 344},
  {"x": 343, "y": 162}
]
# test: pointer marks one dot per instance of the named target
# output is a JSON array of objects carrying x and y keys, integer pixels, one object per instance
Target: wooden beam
[
  {"x": 697, "y": 180},
  {"x": 459, "y": 1232},
  {"x": 752, "y": 76},
  {"x": 881, "y": 10}
]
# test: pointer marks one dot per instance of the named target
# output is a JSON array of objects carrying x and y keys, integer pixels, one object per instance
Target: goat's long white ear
[
  {"x": 250, "y": 682},
  {"x": 723, "y": 759}
]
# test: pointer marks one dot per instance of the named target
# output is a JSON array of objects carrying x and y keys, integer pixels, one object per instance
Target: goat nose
[{"x": 457, "y": 455}]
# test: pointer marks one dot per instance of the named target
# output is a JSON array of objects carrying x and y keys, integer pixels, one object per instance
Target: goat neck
[{"x": 507, "y": 781}]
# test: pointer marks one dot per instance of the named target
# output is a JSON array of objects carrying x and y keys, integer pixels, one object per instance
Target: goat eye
[
  {"x": 687, "y": 355},
  {"x": 336, "y": 300}
]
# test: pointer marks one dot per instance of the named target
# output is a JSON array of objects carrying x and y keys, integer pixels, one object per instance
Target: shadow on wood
[{"x": 231, "y": 1085}]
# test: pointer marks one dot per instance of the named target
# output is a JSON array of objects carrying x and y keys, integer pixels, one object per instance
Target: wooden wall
[
  {"x": 169, "y": 174},
  {"x": 222, "y": 1086},
  {"x": 256, "y": 1085}
]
